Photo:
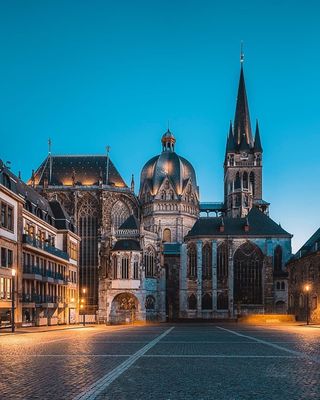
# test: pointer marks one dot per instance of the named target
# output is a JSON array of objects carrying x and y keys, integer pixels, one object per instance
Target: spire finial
[
  {"x": 108, "y": 148},
  {"x": 49, "y": 145},
  {"x": 241, "y": 53}
]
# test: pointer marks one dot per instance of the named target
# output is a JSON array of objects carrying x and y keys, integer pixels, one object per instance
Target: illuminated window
[
  {"x": 167, "y": 235},
  {"x": 125, "y": 267}
]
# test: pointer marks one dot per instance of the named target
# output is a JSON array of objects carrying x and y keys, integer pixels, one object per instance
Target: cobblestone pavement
[{"x": 181, "y": 361}]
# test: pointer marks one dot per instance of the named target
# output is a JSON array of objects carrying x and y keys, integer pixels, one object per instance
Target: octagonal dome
[{"x": 169, "y": 165}]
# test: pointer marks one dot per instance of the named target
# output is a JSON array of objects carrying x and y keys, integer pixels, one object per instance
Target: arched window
[
  {"x": 278, "y": 285},
  {"x": 125, "y": 267},
  {"x": 150, "y": 303},
  {"x": 192, "y": 302},
  {"x": 192, "y": 261},
  {"x": 301, "y": 300},
  {"x": 283, "y": 285},
  {"x": 237, "y": 183},
  {"x": 28, "y": 206},
  {"x": 245, "y": 182},
  {"x": 314, "y": 302},
  {"x": 222, "y": 265},
  {"x": 136, "y": 269},
  {"x": 248, "y": 260},
  {"x": 167, "y": 235},
  {"x": 115, "y": 266},
  {"x": 39, "y": 213},
  {"x": 120, "y": 212},
  {"x": 277, "y": 259},
  {"x": 252, "y": 182},
  {"x": 206, "y": 302},
  {"x": 149, "y": 263},
  {"x": 206, "y": 261}
]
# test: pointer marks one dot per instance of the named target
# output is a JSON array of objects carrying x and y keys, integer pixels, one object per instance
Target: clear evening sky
[{"x": 92, "y": 73}]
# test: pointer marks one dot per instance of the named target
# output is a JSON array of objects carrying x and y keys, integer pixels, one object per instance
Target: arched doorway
[
  {"x": 124, "y": 309},
  {"x": 248, "y": 262},
  {"x": 280, "y": 307}
]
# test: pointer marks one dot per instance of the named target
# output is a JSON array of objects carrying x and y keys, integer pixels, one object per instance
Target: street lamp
[
  {"x": 307, "y": 289},
  {"x": 84, "y": 290},
  {"x": 13, "y": 281}
]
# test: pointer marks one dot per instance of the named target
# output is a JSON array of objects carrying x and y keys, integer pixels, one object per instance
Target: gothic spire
[
  {"x": 242, "y": 125},
  {"x": 230, "y": 141},
  {"x": 257, "y": 141}
]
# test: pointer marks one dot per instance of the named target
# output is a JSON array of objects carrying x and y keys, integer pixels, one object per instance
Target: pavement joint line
[
  {"x": 100, "y": 385},
  {"x": 164, "y": 356},
  {"x": 271, "y": 344}
]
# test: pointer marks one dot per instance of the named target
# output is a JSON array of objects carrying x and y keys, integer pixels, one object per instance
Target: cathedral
[{"x": 162, "y": 254}]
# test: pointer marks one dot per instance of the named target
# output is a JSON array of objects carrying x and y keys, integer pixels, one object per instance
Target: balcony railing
[
  {"x": 33, "y": 269},
  {"x": 45, "y": 246},
  {"x": 38, "y": 298}
]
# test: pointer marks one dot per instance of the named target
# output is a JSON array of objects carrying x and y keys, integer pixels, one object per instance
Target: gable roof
[{"x": 130, "y": 223}]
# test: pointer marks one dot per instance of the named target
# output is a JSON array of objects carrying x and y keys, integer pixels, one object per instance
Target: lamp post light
[
  {"x": 307, "y": 289},
  {"x": 13, "y": 281},
  {"x": 82, "y": 305}
]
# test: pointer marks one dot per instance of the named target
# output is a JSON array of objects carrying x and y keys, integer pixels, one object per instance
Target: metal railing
[{"x": 45, "y": 246}]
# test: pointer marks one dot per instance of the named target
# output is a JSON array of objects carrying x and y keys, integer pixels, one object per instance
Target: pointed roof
[
  {"x": 242, "y": 123},
  {"x": 130, "y": 223},
  {"x": 257, "y": 141},
  {"x": 231, "y": 147}
]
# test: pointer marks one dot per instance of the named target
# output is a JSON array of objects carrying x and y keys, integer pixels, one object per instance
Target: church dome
[{"x": 167, "y": 165}]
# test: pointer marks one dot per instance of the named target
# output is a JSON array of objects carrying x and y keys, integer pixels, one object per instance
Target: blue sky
[{"x": 92, "y": 73}]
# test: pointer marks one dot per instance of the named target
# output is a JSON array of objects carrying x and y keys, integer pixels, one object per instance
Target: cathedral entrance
[
  {"x": 124, "y": 309},
  {"x": 248, "y": 262}
]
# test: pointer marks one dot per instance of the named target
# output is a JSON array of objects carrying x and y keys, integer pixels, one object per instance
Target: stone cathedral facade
[{"x": 154, "y": 256}]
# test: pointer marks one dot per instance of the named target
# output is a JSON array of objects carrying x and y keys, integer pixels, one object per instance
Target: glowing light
[
  {"x": 307, "y": 287},
  {"x": 13, "y": 272}
]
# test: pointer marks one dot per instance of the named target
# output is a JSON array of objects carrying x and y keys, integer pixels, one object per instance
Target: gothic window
[
  {"x": 120, "y": 212},
  {"x": 222, "y": 301},
  {"x": 222, "y": 265},
  {"x": 149, "y": 263},
  {"x": 150, "y": 303},
  {"x": 277, "y": 259},
  {"x": 115, "y": 266},
  {"x": 238, "y": 200},
  {"x": 245, "y": 180},
  {"x": 192, "y": 261},
  {"x": 314, "y": 302},
  {"x": 248, "y": 261},
  {"x": 252, "y": 182},
  {"x": 283, "y": 285},
  {"x": 237, "y": 183},
  {"x": 192, "y": 302},
  {"x": 136, "y": 270},
  {"x": 206, "y": 261},
  {"x": 167, "y": 235},
  {"x": 206, "y": 302},
  {"x": 125, "y": 267},
  {"x": 301, "y": 301},
  {"x": 278, "y": 285},
  {"x": 88, "y": 231},
  {"x": 163, "y": 195}
]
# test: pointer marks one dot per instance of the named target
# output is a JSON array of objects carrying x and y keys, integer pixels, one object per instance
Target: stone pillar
[
  {"x": 199, "y": 278},
  {"x": 230, "y": 278},
  {"x": 183, "y": 293},
  {"x": 214, "y": 275},
  {"x": 267, "y": 279}
]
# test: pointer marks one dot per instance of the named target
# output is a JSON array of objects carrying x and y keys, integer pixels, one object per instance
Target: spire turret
[
  {"x": 168, "y": 141},
  {"x": 231, "y": 147},
  {"x": 257, "y": 141},
  {"x": 242, "y": 125}
]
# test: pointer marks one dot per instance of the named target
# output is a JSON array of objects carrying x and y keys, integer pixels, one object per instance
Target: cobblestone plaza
[{"x": 182, "y": 361}]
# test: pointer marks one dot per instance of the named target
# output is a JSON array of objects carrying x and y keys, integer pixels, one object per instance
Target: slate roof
[
  {"x": 259, "y": 225},
  {"x": 310, "y": 245},
  {"x": 52, "y": 212},
  {"x": 171, "y": 248},
  {"x": 130, "y": 223},
  {"x": 83, "y": 169},
  {"x": 127, "y": 244},
  {"x": 218, "y": 206}
]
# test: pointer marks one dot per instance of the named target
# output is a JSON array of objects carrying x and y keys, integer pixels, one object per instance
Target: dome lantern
[{"x": 168, "y": 141}]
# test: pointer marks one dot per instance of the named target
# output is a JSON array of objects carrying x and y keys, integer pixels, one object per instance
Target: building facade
[
  {"x": 38, "y": 243},
  {"x": 304, "y": 280},
  {"x": 152, "y": 256}
]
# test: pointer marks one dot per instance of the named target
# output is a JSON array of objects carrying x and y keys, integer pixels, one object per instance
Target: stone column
[
  {"x": 183, "y": 293},
  {"x": 199, "y": 278},
  {"x": 267, "y": 279},
  {"x": 230, "y": 278},
  {"x": 214, "y": 275}
]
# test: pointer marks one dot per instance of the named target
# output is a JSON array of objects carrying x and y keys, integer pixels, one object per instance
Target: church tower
[{"x": 243, "y": 161}]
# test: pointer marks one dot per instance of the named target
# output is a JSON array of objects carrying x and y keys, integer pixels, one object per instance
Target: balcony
[
  {"x": 31, "y": 298},
  {"x": 45, "y": 247},
  {"x": 32, "y": 272}
]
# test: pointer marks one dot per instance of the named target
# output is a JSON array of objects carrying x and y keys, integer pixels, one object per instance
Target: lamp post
[
  {"x": 13, "y": 281},
  {"x": 307, "y": 289},
  {"x": 84, "y": 290}
]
